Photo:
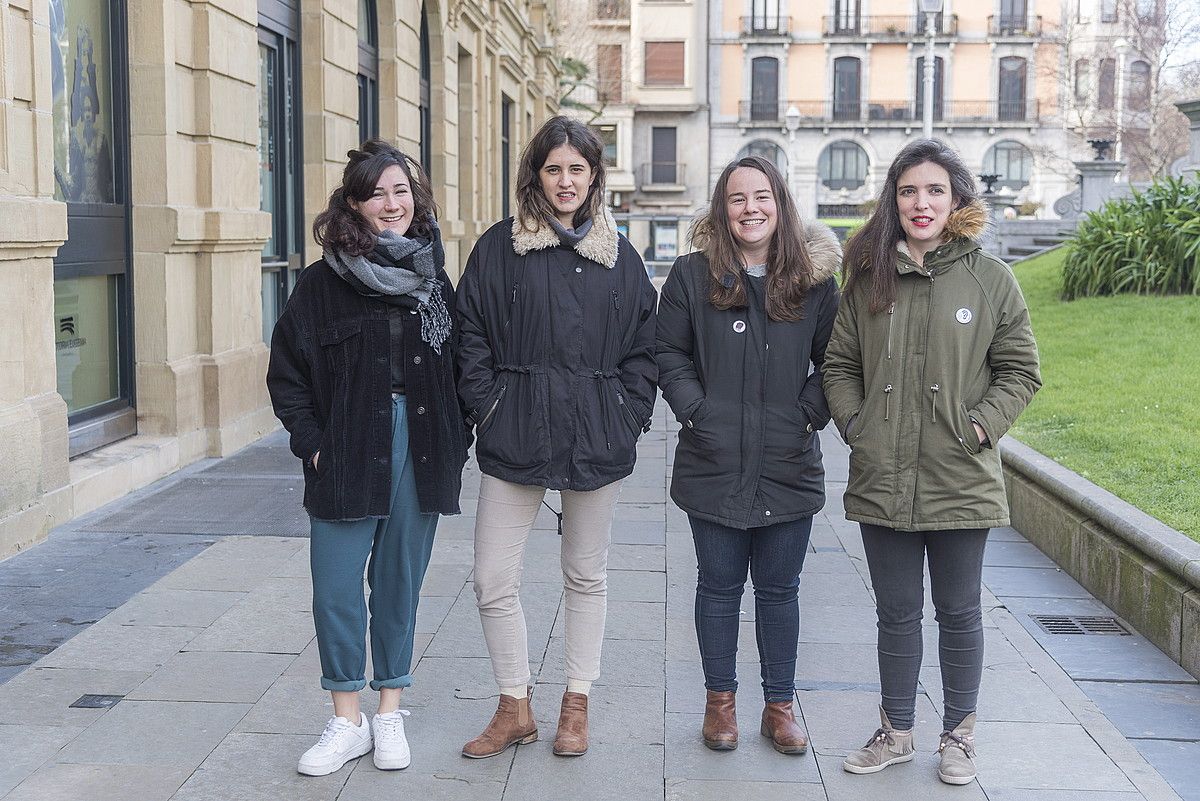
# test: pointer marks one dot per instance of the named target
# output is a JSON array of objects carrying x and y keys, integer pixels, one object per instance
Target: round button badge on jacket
[
  {"x": 963, "y": 316},
  {"x": 739, "y": 326}
]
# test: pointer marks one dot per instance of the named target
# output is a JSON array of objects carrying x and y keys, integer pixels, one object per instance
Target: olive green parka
[{"x": 904, "y": 385}]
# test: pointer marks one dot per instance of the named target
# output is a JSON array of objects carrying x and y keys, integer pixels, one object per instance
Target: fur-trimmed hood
[
  {"x": 598, "y": 245},
  {"x": 823, "y": 248}
]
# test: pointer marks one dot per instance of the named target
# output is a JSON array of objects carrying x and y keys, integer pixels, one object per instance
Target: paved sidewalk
[{"x": 213, "y": 667}]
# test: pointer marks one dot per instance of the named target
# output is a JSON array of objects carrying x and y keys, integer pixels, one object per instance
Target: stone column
[
  {"x": 997, "y": 204},
  {"x": 33, "y": 417},
  {"x": 1096, "y": 181},
  {"x": 1191, "y": 109}
]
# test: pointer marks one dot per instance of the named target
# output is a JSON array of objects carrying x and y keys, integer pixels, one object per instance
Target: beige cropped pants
[{"x": 503, "y": 521}]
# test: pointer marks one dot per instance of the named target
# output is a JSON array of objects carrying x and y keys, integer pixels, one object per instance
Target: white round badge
[
  {"x": 963, "y": 316},
  {"x": 739, "y": 326}
]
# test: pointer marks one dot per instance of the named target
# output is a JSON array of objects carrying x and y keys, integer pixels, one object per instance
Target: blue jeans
[
  {"x": 774, "y": 555},
  {"x": 395, "y": 551}
]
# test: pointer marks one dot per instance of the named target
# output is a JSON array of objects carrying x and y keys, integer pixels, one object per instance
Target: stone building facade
[{"x": 160, "y": 167}]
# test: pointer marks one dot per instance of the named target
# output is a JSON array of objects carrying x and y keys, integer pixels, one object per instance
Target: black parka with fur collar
[
  {"x": 556, "y": 354},
  {"x": 740, "y": 383}
]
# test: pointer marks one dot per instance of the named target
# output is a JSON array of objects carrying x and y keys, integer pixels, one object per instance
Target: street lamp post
[
  {"x": 931, "y": 8},
  {"x": 1122, "y": 48}
]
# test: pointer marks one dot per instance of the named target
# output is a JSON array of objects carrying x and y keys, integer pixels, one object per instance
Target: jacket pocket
[
  {"x": 489, "y": 413},
  {"x": 627, "y": 412},
  {"x": 966, "y": 435}
]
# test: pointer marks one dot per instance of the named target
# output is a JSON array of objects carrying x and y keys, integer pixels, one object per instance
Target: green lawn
[{"x": 1121, "y": 399}]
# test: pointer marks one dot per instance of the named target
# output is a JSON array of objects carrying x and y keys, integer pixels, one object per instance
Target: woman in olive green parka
[{"x": 930, "y": 362}]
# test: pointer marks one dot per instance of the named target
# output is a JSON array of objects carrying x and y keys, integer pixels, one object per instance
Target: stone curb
[{"x": 1143, "y": 569}]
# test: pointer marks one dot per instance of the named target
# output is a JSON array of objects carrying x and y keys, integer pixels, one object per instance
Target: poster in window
[{"x": 81, "y": 79}]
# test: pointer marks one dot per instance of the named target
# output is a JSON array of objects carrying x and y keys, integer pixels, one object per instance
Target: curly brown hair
[{"x": 342, "y": 228}]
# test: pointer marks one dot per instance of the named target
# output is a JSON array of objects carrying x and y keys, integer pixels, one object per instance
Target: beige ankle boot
[
  {"x": 957, "y": 750},
  {"x": 886, "y": 747}
]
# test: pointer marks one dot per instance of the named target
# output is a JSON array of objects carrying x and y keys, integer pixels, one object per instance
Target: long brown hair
[
  {"x": 342, "y": 228},
  {"x": 533, "y": 207},
  {"x": 871, "y": 252},
  {"x": 789, "y": 266}
]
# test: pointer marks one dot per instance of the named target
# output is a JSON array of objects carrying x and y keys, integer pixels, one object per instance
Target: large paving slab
[{"x": 207, "y": 644}]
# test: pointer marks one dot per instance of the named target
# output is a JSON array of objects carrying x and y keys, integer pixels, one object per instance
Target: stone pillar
[
  {"x": 197, "y": 229},
  {"x": 997, "y": 204},
  {"x": 1096, "y": 182},
  {"x": 1191, "y": 109},
  {"x": 33, "y": 417}
]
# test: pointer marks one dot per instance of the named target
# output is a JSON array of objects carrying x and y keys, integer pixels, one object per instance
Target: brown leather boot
[
  {"x": 779, "y": 724},
  {"x": 720, "y": 721},
  {"x": 513, "y": 723},
  {"x": 572, "y": 736}
]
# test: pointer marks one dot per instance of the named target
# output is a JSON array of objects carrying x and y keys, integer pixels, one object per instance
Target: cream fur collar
[{"x": 599, "y": 245}]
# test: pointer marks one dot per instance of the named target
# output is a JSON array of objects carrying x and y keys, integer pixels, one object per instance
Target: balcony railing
[
  {"x": 766, "y": 25},
  {"x": 611, "y": 9},
  {"x": 888, "y": 112},
  {"x": 871, "y": 27},
  {"x": 661, "y": 174},
  {"x": 1024, "y": 27}
]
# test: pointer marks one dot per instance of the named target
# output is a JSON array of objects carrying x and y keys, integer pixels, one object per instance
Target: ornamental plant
[{"x": 1148, "y": 244}]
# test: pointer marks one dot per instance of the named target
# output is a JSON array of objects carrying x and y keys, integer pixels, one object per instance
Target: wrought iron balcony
[
  {"x": 611, "y": 10},
  {"x": 661, "y": 175},
  {"x": 884, "y": 28},
  {"x": 887, "y": 113},
  {"x": 766, "y": 25},
  {"x": 1016, "y": 26}
]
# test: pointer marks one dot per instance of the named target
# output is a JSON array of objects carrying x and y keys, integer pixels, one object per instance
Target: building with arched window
[
  {"x": 145, "y": 256},
  {"x": 1019, "y": 86}
]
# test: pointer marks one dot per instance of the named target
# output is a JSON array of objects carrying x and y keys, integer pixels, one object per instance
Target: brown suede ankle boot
[
  {"x": 513, "y": 723},
  {"x": 572, "y": 736},
  {"x": 779, "y": 724},
  {"x": 720, "y": 721}
]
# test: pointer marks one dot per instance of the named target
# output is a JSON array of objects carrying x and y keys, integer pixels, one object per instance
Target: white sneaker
[
  {"x": 341, "y": 742},
  {"x": 391, "y": 746}
]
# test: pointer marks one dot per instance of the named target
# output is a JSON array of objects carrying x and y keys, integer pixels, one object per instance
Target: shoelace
[
  {"x": 390, "y": 724},
  {"x": 334, "y": 729},
  {"x": 950, "y": 740},
  {"x": 880, "y": 735}
]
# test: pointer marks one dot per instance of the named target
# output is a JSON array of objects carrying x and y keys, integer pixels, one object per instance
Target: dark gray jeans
[{"x": 896, "y": 561}]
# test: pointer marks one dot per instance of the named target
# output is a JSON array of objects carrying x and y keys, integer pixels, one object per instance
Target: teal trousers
[{"x": 394, "y": 551}]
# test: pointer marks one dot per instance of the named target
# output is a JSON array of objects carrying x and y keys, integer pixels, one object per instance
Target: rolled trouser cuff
[{"x": 343, "y": 686}]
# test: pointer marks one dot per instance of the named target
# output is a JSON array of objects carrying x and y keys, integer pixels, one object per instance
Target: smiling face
[
  {"x": 924, "y": 202},
  {"x": 750, "y": 206},
  {"x": 391, "y": 205},
  {"x": 566, "y": 178}
]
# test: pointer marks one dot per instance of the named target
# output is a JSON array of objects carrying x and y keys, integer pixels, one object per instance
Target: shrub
[{"x": 1147, "y": 244}]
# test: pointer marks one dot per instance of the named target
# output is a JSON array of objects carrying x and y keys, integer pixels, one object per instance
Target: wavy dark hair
[
  {"x": 789, "y": 266},
  {"x": 533, "y": 207},
  {"x": 871, "y": 252},
  {"x": 342, "y": 228}
]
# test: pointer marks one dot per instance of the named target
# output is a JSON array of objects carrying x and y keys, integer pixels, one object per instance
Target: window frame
[{"x": 840, "y": 149}]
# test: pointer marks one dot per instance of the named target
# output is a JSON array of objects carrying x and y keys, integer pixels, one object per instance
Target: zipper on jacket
[
  {"x": 933, "y": 411},
  {"x": 616, "y": 301},
  {"x": 492, "y": 410},
  {"x": 514, "y": 292},
  {"x": 628, "y": 411},
  {"x": 891, "y": 315},
  {"x": 887, "y": 402}
]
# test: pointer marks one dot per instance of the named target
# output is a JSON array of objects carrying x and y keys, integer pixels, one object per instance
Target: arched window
[
  {"x": 426, "y": 97},
  {"x": 368, "y": 71},
  {"x": 847, "y": 78},
  {"x": 1012, "y": 89},
  {"x": 1138, "y": 94},
  {"x": 769, "y": 151},
  {"x": 1012, "y": 161},
  {"x": 843, "y": 165},
  {"x": 764, "y": 89}
]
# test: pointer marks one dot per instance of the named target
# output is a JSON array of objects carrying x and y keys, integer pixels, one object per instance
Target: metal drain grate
[
  {"x": 1075, "y": 624},
  {"x": 97, "y": 701}
]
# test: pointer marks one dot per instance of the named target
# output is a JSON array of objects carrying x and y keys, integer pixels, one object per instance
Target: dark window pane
[
  {"x": 1012, "y": 89},
  {"x": 1108, "y": 83},
  {"x": 846, "y": 88},
  {"x": 764, "y": 89},
  {"x": 843, "y": 165},
  {"x": 662, "y": 156}
]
